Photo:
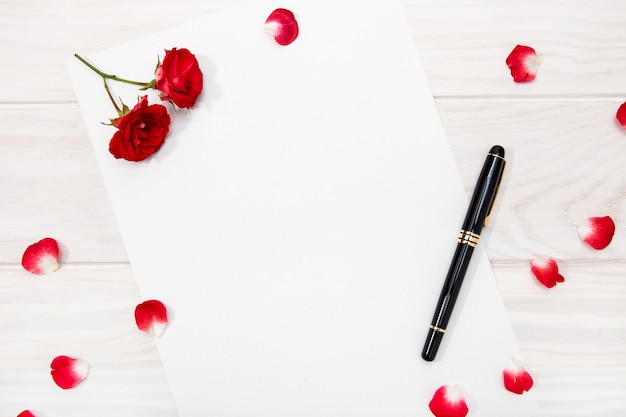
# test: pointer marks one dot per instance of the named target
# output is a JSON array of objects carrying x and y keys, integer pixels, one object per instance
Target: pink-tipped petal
[
  {"x": 26, "y": 413},
  {"x": 546, "y": 270},
  {"x": 516, "y": 378},
  {"x": 283, "y": 26},
  {"x": 41, "y": 257},
  {"x": 597, "y": 232},
  {"x": 523, "y": 63},
  {"x": 448, "y": 401},
  {"x": 68, "y": 372},
  {"x": 621, "y": 115},
  {"x": 151, "y": 317}
]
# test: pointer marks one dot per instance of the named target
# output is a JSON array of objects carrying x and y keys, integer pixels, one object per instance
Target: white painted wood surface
[{"x": 567, "y": 161}]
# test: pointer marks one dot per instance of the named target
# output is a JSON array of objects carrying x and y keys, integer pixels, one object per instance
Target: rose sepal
[{"x": 149, "y": 85}]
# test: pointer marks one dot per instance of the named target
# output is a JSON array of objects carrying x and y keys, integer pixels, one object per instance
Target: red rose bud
[
  {"x": 179, "y": 78},
  {"x": 141, "y": 131}
]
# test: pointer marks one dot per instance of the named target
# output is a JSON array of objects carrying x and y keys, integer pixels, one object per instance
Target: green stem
[
  {"x": 106, "y": 87},
  {"x": 106, "y": 76}
]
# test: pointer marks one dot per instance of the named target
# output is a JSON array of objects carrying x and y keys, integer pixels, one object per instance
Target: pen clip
[{"x": 493, "y": 200}]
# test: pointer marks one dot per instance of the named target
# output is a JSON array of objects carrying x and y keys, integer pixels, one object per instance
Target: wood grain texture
[
  {"x": 572, "y": 336},
  {"x": 50, "y": 186},
  {"x": 85, "y": 312},
  {"x": 565, "y": 162},
  {"x": 40, "y": 36},
  {"x": 463, "y": 44}
]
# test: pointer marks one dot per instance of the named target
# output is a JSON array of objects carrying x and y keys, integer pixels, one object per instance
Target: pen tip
[{"x": 497, "y": 150}]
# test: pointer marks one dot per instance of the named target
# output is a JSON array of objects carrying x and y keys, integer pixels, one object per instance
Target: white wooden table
[{"x": 566, "y": 162}]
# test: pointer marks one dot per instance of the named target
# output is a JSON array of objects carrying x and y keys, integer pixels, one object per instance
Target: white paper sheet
[{"x": 299, "y": 220}]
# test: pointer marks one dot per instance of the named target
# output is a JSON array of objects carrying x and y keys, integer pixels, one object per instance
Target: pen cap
[
  {"x": 485, "y": 190},
  {"x": 497, "y": 150}
]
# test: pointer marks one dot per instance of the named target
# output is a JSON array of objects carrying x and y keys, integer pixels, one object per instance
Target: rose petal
[
  {"x": 621, "y": 115},
  {"x": 546, "y": 270},
  {"x": 448, "y": 401},
  {"x": 151, "y": 317},
  {"x": 597, "y": 232},
  {"x": 26, "y": 413},
  {"x": 68, "y": 372},
  {"x": 282, "y": 25},
  {"x": 523, "y": 63},
  {"x": 41, "y": 257},
  {"x": 516, "y": 379}
]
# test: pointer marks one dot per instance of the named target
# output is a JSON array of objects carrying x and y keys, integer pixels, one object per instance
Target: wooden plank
[
  {"x": 564, "y": 153},
  {"x": 40, "y": 37},
  {"x": 573, "y": 348},
  {"x": 463, "y": 44},
  {"x": 82, "y": 312},
  {"x": 572, "y": 336},
  {"x": 565, "y": 162},
  {"x": 50, "y": 185}
]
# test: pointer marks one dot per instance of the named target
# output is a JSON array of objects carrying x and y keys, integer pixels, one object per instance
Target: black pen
[{"x": 476, "y": 218}]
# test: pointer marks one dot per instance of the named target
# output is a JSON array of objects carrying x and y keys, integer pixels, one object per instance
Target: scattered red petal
[
  {"x": 448, "y": 401},
  {"x": 41, "y": 257},
  {"x": 516, "y": 379},
  {"x": 151, "y": 317},
  {"x": 282, "y": 25},
  {"x": 26, "y": 413},
  {"x": 597, "y": 232},
  {"x": 621, "y": 115},
  {"x": 68, "y": 372},
  {"x": 546, "y": 270},
  {"x": 524, "y": 63}
]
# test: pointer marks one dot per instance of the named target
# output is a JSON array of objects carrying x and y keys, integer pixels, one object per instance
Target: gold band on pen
[
  {"x": 437, "y": 329},
  {"x": 497, "y": 156},
  {"x": 468, "y": 238}
]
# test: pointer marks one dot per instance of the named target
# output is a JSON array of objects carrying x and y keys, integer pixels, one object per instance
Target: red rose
[
  {"x": 179, "y": 78},
  {"x": 141, "y": 131}
]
